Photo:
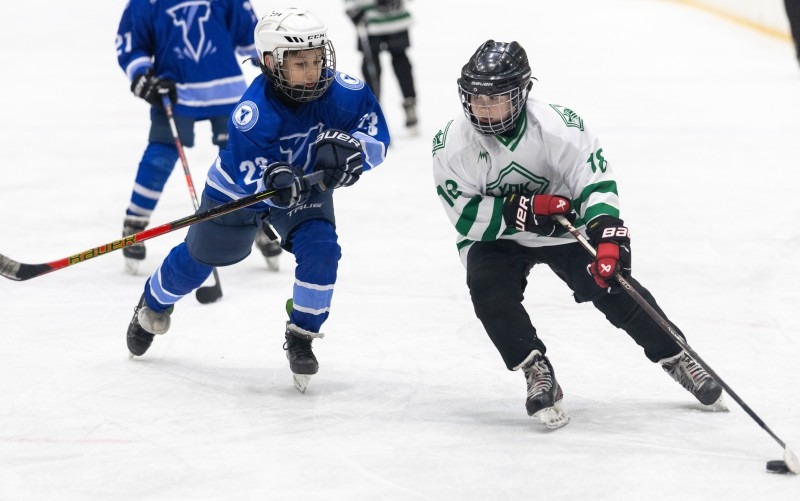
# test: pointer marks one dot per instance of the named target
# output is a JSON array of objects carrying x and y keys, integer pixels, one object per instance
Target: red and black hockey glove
[
  {"x": 148, "y": 86},
  {"x": 340, "y": 156},
  {"x": 291, "y": 188},
  {"x": 533, "y": 213},
  {"x": 611, "y": 239}
]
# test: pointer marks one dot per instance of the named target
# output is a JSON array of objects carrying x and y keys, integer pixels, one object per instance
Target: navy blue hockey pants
[
  {"x": 306, "y": 231},
  {"x": 160, "y": 156}
]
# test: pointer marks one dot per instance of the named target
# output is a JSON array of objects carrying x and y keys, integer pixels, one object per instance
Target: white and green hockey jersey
[
  {"x": 382, "y": 17},
  {"x": 551, "y": 152}
]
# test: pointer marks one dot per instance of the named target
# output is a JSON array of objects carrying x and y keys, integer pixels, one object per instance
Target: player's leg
[
  {"x": 570, "y": 261},
  {"x": 497, "y": 277},
  {"x": 221, "y": 241}
]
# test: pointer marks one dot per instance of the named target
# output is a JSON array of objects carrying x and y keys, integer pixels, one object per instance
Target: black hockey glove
[
  {"x": 292, "y": 189},
  {"x": 533, "y": 213},
  {"x": 339, "y": 155},
  {"x": 613, "y": 244},
  {"x": 387, "y": 5},
  {"x": 148, "y": 87}
]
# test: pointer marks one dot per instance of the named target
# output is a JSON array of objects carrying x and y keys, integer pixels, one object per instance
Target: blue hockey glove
[
  {"x": 340, "y": 156},
  {"x": 613, "y": 243},
  {"x": 147, "y": 86},
  {"x": 290, "y": 186}
]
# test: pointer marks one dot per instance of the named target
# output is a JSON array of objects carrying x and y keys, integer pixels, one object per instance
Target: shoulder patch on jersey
[
  {"x": 568, "y": 116},
  {"x": 440, "y": 137},
  {"x": 349, "y": 81},
  {"x": 245, "y": 116}
]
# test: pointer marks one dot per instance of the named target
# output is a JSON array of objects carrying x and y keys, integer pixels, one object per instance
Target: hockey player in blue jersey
[
  {"x": 300, "y": 116},
  {"x": 191, "y": 50}
]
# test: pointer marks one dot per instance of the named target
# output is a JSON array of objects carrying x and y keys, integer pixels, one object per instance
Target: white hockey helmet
[{"x": 294, "y": 29}]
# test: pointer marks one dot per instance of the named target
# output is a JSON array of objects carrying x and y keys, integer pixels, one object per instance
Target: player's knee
[
  {"x": 159, "y": 160},
  {"x": 489, "y": 292},
  {"x": 316, "y": 243}
]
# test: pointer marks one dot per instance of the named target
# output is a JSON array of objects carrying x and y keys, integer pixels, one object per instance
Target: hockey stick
[
  {"x": 210, "y": 293},
  {"x": 790, "y": 461},
  {"x": 15, "y": 270},
  {"x": 369, "y": 57}
]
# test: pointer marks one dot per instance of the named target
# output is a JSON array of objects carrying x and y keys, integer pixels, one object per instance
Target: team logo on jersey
[
  {"x": 516, "y": 179},
  {"x": 568, "y": 116},
  {"x": 245, "y": 116},
  {"x": 297, "y": 149},
  {"x": 191, "y": 16},
  {"x": 349, "y": 81},
  {"x": 440, "y": 138}
]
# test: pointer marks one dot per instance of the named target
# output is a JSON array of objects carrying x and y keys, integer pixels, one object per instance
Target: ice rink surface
[{"x": 699, "y": 119}]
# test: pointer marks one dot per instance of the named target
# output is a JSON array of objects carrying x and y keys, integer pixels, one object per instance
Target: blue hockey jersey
[
  {"x": 194, "y": 43},
  {"x": 262, "y": 130}
]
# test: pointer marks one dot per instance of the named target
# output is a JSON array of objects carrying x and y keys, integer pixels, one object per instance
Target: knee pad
[
  {"x": 156, "y": 165},
  {"x": 315, "y": 247},
  {"x": 491, "y": 292}
]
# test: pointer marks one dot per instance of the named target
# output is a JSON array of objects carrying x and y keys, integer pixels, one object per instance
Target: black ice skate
[
  {"x": 689, "y": 374},
  {"x": 270, "y": 248},
  {"x": 410, "y": 107},
  {"x": 302, "y": 361},
  {"x": 544, "y": 392},
  {"x": 144, "y": 325},
  {"x": 134, "y": 254}
]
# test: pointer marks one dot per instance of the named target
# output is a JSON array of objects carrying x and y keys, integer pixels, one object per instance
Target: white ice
[{"x": 699, "y": 119}]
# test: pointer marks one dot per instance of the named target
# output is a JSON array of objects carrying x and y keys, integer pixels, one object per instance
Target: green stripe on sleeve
[
  {"x": 468, "y": 215},
  {"x": 494, "y": 224},
  {"x": 599, "y": 209},
  {"x": 601, "y": 187}
]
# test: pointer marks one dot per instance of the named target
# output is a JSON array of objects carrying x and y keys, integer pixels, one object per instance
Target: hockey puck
[{"x": 777, "y": 466}]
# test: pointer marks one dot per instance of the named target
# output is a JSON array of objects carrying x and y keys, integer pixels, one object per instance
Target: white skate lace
[
  {"x": 539, "y": 377},
  {"x": 688, "y": 372}
]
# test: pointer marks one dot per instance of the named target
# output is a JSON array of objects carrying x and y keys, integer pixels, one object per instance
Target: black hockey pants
[
  {"x": 396, "y": 44},
  {"x": 793, "y": 14},
  {"x": 497, "y": 276}
]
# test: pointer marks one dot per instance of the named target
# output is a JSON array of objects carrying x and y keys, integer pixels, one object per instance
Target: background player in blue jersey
[
  {"x": 190, "y": 49},
  {"x": 299, "y": 116}
]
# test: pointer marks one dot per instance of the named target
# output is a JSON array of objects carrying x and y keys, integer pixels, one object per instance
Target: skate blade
[
  {"x": 301, "y": 382},
  {"x": 132, "y": 266},
  {"x": 274, "y": 263},
  {"x": 719, "y": 406},
  {"x": 553, "y": 417}
]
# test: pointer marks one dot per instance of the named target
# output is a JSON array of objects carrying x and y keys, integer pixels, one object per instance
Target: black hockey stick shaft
[
  {"x": 14, "y": 270},
  {"x": 664, "y": 324},
  {"x": 369, "y": 57},
  {"x": 211, "y": 293}
]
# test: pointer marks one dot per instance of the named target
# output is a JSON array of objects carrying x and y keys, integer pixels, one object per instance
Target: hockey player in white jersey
[{"x": 501, "y": 172}]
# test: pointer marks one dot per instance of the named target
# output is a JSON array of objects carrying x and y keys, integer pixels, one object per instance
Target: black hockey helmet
[{"x": 496, "y": 69}]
